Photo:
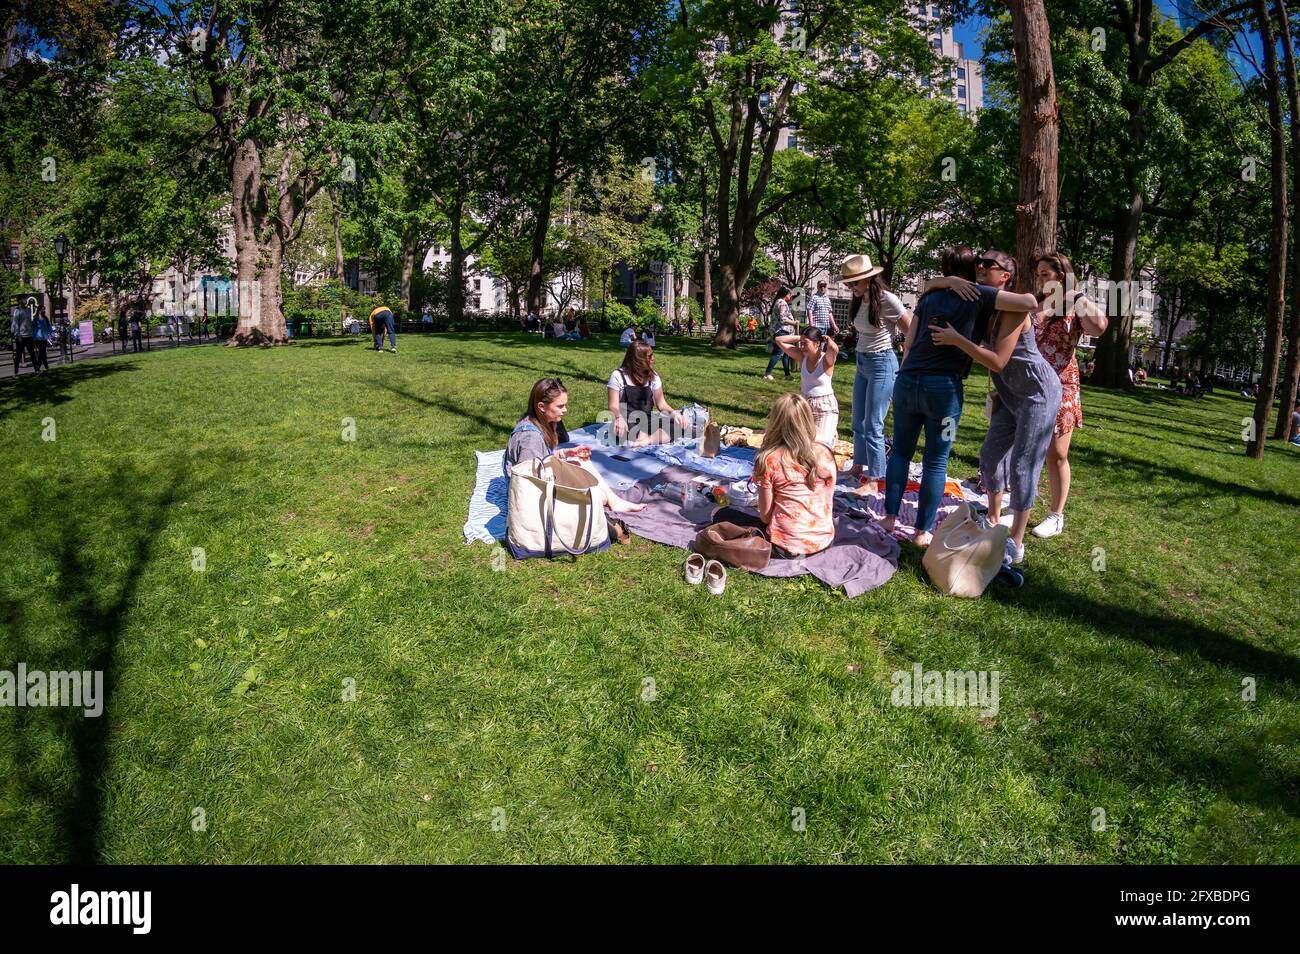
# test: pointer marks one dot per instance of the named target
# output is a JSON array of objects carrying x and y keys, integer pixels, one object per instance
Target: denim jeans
[
  {"x": 873, "y": 386},
  {"x": 932, "y": 402},
  {"x": 779, "y": 355}
]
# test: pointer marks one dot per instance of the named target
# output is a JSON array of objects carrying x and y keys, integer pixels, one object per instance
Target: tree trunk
[
  {"x": 408, "y": 267},
  {"x": 258, "y": 254},
  {"x": 1278, "y": 233},
  {"x": 456, "y": 266},
  {"x": 1040, "y": 122},
  {"x": 537, "y": 270},
  {"x": 339, "y": 265},
  {"x": 728, "y": 314},
  {"x": 1113, "y": 348},
  {"x": 1291, "y": 376},
  {"x": 706, "y": 242},
  {"x": 1173, "y": 311}
]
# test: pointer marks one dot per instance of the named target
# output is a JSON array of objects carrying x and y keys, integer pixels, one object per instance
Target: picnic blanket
[
  {"x": 663, "y": 521},
  {"x": 861, "y": 557},
  {"x": 488, "y": 501}
]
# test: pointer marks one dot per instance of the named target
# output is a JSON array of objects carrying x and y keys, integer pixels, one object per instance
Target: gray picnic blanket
[{"x": 861, "y": 557}]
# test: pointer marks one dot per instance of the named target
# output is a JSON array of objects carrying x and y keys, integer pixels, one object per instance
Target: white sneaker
[
  {"x": 1051, "y": 526},
  {"x": 716, "y": 574},
  {"x": 768, "y": 377},
  {"x": 1014, "y": 554},
  {"x": 695, "y": 569}
]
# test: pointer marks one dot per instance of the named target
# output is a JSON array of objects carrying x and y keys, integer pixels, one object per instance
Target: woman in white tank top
[{"x": 816, "y": 353}]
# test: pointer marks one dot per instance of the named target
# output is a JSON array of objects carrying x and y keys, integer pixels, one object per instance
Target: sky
[{"x": 968, "y": 33}]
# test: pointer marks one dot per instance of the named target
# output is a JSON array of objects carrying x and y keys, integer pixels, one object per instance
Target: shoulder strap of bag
[{"x": 551, "y": 534}]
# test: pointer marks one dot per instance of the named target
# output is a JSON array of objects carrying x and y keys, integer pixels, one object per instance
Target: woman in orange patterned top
[
  {"x": 1066, "y": 315},
  {"x": 795, "y": 476}
]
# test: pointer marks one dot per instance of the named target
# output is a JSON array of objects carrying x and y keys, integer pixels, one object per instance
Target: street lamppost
[{"x": 61, "y": 249}]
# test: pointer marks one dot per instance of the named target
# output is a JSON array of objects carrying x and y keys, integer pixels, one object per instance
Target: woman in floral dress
[{"x": 1066, "y": 316}]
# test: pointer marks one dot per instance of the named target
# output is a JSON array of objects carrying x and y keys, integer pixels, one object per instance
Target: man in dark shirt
[
  {"x": 928, "y": 391},
  {"x": 945, "y": 307}
]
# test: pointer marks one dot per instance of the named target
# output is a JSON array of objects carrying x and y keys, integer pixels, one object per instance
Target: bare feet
[
  {"x": 922, "y": 538},
  {"x": 887, "y": 523},
  {"x": 617, "y": 504}
]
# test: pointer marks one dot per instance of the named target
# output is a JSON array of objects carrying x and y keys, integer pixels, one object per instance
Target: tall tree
[
  {"x": 1137, "y": 24},
  {"x": 742, "y": 64},
  {"x": 1039, "y": 136},
  {"x": 1276, "y": 302},
  {"x": 575, "y": 80},
  {"x": 888, "y": 162},
  {"x": 289, "y": 87},
  {"x": 1291, "y": 374}
]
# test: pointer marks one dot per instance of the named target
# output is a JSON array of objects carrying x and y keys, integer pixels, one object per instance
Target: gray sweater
[{"x": 22, "y": 324}]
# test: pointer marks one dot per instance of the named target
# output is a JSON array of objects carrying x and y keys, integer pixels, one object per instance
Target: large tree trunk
[
  {"x": 1278, "y": 233},
  {"x": 1291, "y": 376},
  {"x": 1040, "y": 122},
  {"x": 728, "y": 305},
  {"x": 258, "y": 254}
]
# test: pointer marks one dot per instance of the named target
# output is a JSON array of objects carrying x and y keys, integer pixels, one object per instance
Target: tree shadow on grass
[
  {"x": 452, "y": 407},
  {"x": 1233, "y": 768},
  {"x": 97, "y": 603},
  {"x": 1148, "y": 471},
  {"x": 355, "y": 341},
  {"x": 55, "y": 386}
]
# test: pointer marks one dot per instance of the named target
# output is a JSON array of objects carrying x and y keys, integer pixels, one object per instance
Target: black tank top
[{"x": 637, "y": 397}]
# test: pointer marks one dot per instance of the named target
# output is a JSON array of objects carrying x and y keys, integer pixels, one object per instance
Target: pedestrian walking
[
  {"x": 137, "y": 320},
  {"x": 821, "y": 313},
  {"x": 22, "y": 324}
]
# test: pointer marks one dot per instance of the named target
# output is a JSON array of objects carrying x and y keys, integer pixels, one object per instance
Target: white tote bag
[
  {"x": 553, "y": 510},
  {"x": 962, "y": 557}
]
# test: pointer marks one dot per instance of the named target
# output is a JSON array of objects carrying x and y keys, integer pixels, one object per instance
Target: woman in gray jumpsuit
[{"x": 1024, "y": 416}]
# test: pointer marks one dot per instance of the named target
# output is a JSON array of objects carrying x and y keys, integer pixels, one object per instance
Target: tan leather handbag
[
  {"x": 728, "y": 543},
  {"x": 963, "y": 557}
]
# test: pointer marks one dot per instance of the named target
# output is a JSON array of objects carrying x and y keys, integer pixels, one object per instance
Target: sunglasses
[{"x": 988, "y": 263}]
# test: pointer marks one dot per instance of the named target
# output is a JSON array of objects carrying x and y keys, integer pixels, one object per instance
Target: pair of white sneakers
[{"x": 698, "y": 570}]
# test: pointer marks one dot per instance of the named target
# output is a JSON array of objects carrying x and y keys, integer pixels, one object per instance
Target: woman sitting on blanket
[
  {"x": 795, "y": 476},
  {"x": 636, "y": 400},
  {"x": 541, "y": 430}
]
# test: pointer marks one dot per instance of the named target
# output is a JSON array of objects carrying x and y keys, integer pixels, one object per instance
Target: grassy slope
[{"x": 329, "y": 560}]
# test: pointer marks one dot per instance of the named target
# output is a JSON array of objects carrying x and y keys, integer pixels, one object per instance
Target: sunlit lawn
[{"x": 499, "y": 716}]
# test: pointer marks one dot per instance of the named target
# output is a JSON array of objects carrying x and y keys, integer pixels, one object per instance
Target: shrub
[
  {"x": 648, "y": 315},
  {"x": 618, "y": 315}
]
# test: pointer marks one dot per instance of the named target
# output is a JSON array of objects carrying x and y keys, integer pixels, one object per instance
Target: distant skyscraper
[{"x": 965, "y": 74}]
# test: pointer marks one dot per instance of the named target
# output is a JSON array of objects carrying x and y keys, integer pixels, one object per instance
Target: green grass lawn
[{"x": 516, "y": 696}]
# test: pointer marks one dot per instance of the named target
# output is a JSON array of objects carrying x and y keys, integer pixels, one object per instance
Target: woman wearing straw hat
[{"x": 876, "y": 313}]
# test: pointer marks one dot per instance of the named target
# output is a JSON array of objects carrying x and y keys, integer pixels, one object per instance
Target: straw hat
[{"x": 856, "y": 267}]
